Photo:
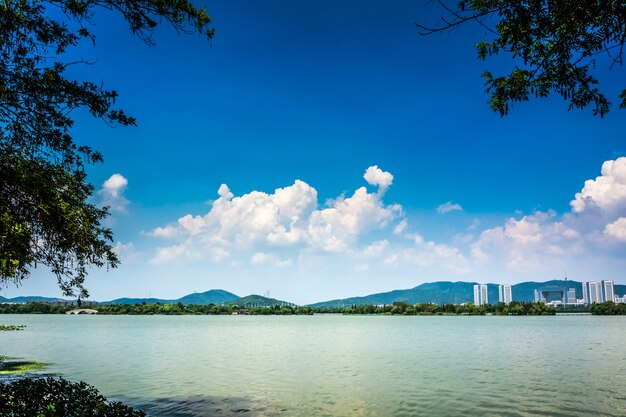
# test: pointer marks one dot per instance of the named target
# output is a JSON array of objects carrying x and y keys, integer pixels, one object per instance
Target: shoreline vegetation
[
  {"x": 52, "y": 397},
  {"x": 515, "y": 308},
  {"x": 11, "y": 328}
]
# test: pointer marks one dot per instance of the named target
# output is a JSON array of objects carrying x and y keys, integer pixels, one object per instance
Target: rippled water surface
[{"x": 192, "y": 366}]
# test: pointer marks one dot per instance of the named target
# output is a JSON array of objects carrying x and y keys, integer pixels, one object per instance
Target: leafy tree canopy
[
  {"x": 557, "y": 42},
  {"x": 45, "y": 214}
]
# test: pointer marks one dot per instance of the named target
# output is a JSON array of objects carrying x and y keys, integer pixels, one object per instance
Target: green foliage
[
  {"x": 157, "y": 308},
  {"x": 51, "y": 397},
  {"x": 608, "y": 308},
  {"x": 397, "y": 308},
  {"x": 45, "y": 214},
  {"x": 16, "y": 367},
  {"x": 34, "y": 308},
  {"x": 515, "y": 308},
  {"x": 555, "y": 42},
  {"x": 9, "y": 328}
]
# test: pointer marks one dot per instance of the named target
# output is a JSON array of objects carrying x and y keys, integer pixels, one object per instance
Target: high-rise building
[
  {"x": 595, "y": 292},
  {"x": 476, "y": 295},
  {"x": 571, "y": 296},
  {"x": 508, "y": 293},
  {"x": 609, "y": 290},
  {"x": 585, "y": 293},
  {"x": 537, "y": 299},
  {"x": 484, "y": 296},
  {"x": 500, "y": 294}
]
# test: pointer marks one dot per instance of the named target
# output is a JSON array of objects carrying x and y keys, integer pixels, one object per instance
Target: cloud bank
[
  {"x": 595, "y": 226},
  {"x": 289, "y": 219},
  {"x": 287, "y": 228}
]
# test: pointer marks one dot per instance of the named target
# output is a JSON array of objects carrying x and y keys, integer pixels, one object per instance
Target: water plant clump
[
  {"x": 11, "y": 327},
  {"x": 10, "y": 366},
  {"x": 48, "y": 397}
]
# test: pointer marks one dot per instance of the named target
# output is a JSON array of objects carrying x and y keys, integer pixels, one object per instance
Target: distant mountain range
[
  {"x": 29, "y": 298},
  {"x": 441, "y": 292},
  {"x": 204, "y": 298},
  {"x": 444, "y": 292}
]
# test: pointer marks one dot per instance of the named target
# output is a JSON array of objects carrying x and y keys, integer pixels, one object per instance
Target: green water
[{"x": 338, "y": 365}]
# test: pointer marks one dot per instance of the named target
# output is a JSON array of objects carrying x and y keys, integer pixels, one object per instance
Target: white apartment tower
[
  {"x": 484, "y": 297},
  {"x": 476, "y": 295},
  {"x": 508, "y": 293},
  {"x": 585, "y": 293},
  {"x": 571, "y": 296},
  {"x": 500, "y": 294},
  {"x": 595, "y": 292},
  {"x": 609, "y": 291}
]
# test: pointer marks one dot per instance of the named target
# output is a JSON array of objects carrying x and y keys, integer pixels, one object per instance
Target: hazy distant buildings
[
  {"x": 505, "y": 293},
  {"x": 595, "y": 292},
  {"x": 484, "y": 295},
  {"x": 609, "y": 291},
  {"x": 481, "y": 296},
  {"x": 598, "y": 292},
  {"x": 571, "y": 296},
  {"x": 476, "y": 295},
  {"x": 508, "y": 293},
  {"x": 592, "y": 292}
]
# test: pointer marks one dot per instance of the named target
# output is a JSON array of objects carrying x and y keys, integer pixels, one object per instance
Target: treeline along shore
[
  {"x": 397, "y": 308},
  {"x": 515, "y": 308}
]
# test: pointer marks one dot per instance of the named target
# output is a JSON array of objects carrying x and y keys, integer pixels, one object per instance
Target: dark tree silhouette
[
  {"x": 556, "y": 44},
  {"x": 45, "y": 215}
]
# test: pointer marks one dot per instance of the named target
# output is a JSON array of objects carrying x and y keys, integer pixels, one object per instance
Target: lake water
[{"x": 337, "y": 365}]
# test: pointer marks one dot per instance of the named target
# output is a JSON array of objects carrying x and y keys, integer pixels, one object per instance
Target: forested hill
[
  {"x": 203, "y": 298},
  {"x": 433, "y": 292},
  {"x": 445, "y": 292},
  {"x": 257, "y": 300},
  {"x": 29, "y": 298}
]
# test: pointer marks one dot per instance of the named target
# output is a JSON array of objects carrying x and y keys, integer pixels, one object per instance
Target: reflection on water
[
  {"x": 206, "y": 407},
  {"x": 195, "y": 366}
]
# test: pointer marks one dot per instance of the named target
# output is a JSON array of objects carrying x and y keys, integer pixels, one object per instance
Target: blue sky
[{"x": 320, "y": 92}]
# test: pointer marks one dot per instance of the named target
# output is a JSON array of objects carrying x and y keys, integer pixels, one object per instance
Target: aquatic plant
[
  {"x": 10, "y": 366},
  {"x": 11, "y": 327},
  {"x": 57, "y": 397}
]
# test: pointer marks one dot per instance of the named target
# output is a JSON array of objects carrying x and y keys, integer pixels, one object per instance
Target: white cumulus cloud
[
  {"x": 448, "y": 206},
  {"x": 125, "y": 251},
  {"x": 262, "y": 258},
  {"x": 524, "y": 243},
  {"x": 427, "y": 254},
  {"x": 617, "y": 229},
  {"x": 287, "y": 219},
  {"x": 112, "y": 193},
  {"x": 336, "y": 228},
  {"x": 607, "y": 192},
  {"x": 166, "y": 232},
  {"x": 376, "y": 176},
  {"x": 596, "y": 224}
]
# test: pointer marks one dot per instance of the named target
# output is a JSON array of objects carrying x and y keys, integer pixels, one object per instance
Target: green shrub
[
  {"x": 11, "y": 327},
  {"x": 56, "y": 397}
]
